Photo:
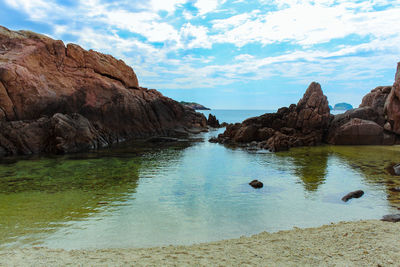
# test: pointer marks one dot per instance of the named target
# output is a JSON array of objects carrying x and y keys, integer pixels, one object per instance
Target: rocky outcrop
[
  {"x": 303, "y": 124},
  {"x": 392, "y": 106},
  {"x": 56, "y": 98},
  {"x": 375, "y": 122},
  {"x": 368, "y": 124},
  {"x": 212, "y": 121}
]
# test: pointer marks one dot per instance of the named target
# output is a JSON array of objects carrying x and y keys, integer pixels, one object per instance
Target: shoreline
[{"x": 360, "y": 243}]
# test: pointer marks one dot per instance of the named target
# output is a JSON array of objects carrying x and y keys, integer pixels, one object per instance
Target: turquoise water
[{"x": 142, "y": 195}]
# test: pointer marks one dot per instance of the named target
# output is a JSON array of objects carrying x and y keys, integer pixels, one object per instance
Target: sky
[{"x": 231, "y": 54}]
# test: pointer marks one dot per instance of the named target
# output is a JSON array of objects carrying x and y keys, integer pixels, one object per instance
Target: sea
[{"x": 191, "y": 191}]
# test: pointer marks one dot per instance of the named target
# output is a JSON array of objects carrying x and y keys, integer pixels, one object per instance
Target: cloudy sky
[{"x": 231, "y": 54}]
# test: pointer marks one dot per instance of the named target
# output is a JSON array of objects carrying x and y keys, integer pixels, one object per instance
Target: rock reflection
[
  {"x": 309, "y": 164},
  {"x": 372, "y": 162}
]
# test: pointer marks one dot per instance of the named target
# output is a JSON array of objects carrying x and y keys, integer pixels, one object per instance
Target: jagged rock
[
  {"x": 212, "y": 121},
  {"x": 296, "y": 125},
  {"x": 354, "y": 194},
  {"x": 57, "y": 98},
  {"x": 376, "y": 100},
  {"x": 256, "y": 184}
]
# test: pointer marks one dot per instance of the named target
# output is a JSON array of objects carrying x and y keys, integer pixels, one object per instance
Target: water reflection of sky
[{"x": 185, "y": 194}]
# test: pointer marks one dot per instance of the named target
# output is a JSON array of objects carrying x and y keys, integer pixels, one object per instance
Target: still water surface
[{"x": 144, "y": 195}]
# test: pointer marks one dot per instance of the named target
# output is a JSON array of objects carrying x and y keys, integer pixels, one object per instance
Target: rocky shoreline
[
  {"x": 309, "y": 123},
  {"x": 59, "y": 99}
]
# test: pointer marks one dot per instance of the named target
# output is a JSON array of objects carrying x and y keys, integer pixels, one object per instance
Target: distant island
[
  {"x": 341, "y": 106},
  {"x": 194, "y": 105}
]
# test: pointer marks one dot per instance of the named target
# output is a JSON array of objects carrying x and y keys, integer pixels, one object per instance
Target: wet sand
[{"x": 363, "y": 243}]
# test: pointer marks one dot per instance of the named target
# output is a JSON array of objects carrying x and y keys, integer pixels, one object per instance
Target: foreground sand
[{"x": 364, "y": 243}]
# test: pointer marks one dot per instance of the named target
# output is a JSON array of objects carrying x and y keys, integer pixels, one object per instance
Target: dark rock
[
  {"x": 391, "y": 218},
  {"x": 56, "y": 98},
  {"x": 224, "y": 124},
  {"x": 256, "y": 184},
  {"x": 395, "y": 189},
  {"x": 213, "y": 140},
  {"x": 354, "y": 194},
  {"x": 212, "y": 121}
]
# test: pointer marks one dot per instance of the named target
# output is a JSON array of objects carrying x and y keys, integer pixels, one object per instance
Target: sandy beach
[{"x": 363, "y": 243}]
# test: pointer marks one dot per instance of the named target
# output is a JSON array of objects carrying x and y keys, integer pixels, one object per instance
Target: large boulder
[
  {"x": 358, "y": 132},
  {"x": 97, "y": 98}
]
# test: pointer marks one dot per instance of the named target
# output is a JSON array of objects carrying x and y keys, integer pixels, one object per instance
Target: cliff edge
[{"x": 57, "y": 99}]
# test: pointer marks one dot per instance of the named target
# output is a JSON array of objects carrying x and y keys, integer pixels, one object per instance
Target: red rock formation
[
  {"x": 303, "y": 124},
  {"x": 61, "y": 99},
  {"x": 392, "y": 105}
]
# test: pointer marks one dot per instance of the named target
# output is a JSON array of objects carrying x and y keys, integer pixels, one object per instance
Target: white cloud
[
  {"x": 206, "y": 6},
  {"x": 307, "y": 24},
  {"x": 195, "y": 36}
]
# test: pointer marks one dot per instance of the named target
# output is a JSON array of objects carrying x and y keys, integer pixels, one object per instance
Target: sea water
[{"x": 142, "y": 195}]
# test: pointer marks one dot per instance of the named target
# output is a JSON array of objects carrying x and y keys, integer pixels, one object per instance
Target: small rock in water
[
  {"x": 395, "y": 189},
  {"x": 393, "y": 169},
  {"x": 396, "y": 169},
  {"x": 256, "y": 184},
  {"x": 354, "y": 194},
  {"x": 213, "y": 140},
  {"x": 391, "y": 218}
]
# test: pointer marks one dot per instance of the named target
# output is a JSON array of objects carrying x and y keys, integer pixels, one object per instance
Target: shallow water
[{"x": 188, "y": 192}]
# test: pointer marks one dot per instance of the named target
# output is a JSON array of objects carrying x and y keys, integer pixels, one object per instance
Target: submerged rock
[
  {"x": 56, "y": 98},
  {"x": 256, "y": 184},
  {"x": 354, "y": 194},
  {"x": 391, "y": 218},
  {"x": 393, "y": 169}
]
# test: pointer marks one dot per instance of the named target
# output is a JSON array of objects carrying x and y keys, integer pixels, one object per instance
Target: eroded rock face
[
  {"x": 57, "y": 98},
  {"x": 392, "y": 105},
  {"x": 303, "y": 124}
]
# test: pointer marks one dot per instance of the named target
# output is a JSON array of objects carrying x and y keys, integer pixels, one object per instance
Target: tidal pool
[{"x": 143, "y": 195}]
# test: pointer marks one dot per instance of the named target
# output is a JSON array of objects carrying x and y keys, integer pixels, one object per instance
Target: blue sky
[{"x": 231, "y": 54}]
